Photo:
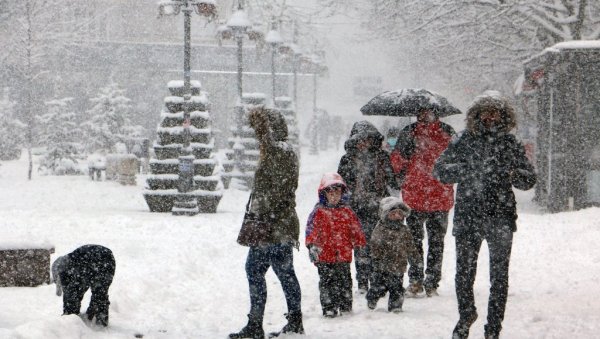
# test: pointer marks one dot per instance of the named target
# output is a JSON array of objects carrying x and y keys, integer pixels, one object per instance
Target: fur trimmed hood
[
  {"x": 388, "y": 204},
  {"x": 491, "y": 101},
  {"x": 273, "y": 122}
]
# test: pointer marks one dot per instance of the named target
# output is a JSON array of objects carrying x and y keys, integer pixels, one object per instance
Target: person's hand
[{"x": 314, "y": 252}]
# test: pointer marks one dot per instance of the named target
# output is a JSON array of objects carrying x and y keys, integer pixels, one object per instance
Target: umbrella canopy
[{"x": 407, "y": 103}]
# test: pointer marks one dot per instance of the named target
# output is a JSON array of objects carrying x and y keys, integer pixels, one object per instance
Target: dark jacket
[
  {"x": 276, "y": 179},
  {"x": 367, "y": 174},
  {"x": 486, "y": 165},
  {"x": 86, "y": 264},
  {"x": 391, "y": 243}
]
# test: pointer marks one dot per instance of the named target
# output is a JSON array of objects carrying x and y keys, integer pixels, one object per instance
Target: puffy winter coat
[
  {"x": 273, "y": 197},
  {"x": 486, "y": 166},
  {"x": 334, "y": 229},
  {"x": 367, "y": 173},
  {"x": 418, "y": 147},
  {"x": 391, "y": 242},
  {"x": 82, "y": 266}
]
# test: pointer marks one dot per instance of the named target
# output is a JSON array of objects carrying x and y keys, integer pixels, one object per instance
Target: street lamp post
[
  {"x": 241, "y": 160},
  {"x": 239, "y": 25},
  {"x": 186, "y": 204},
  {"x": 273, "y": 38}
]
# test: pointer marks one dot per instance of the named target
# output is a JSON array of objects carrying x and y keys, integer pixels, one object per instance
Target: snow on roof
[
  {"x": 577, "y": 44},
  {"x": 567, "y": 45}
]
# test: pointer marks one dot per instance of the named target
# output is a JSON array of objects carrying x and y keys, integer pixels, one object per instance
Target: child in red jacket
[{"x": 332, "y": 232}]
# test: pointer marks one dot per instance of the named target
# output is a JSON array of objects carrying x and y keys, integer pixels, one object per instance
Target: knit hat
[{"x": 389, "y": 204}]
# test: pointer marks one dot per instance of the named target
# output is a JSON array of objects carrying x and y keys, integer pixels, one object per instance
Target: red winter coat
[
  {"x": 336, "y": 231},
  {"x": 418, "y": 147}
]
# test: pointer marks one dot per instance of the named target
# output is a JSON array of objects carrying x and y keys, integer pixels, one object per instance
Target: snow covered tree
[
  {"x": 469, "y": 45},
  {"x": 11, "y": 130},
  {"x": 32, "y": 31},
  {"x": 108, "y": 121},
  {"x": 60, "y": 136}
]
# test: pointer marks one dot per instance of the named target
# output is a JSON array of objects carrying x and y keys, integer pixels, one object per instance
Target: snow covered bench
[{"x": 24, "y": 264}]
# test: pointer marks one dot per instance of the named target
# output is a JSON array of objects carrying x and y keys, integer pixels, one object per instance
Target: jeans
[
  {"x": 280, "y": 257},
  {"x": 499, "y": 237},
  {"x": 436, "y": 224}
]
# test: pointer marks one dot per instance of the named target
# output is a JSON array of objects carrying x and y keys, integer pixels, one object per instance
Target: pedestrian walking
[
  {"x": 367, "y": 171},
  {"x": 486, "y": 161},
  {"x": 272, "y": 206},
  {"x": 418, "y": 147},
  {"x": 88, "y": 267},
  {"x": 332, "y": 232},
  {"x": 391, "y": 244}
]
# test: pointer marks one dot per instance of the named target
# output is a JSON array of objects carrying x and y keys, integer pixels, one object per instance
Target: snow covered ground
[{"x": 183, "y": 277}]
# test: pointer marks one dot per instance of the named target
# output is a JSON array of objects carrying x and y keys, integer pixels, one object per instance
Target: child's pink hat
[{"x": 331, "y": 179}]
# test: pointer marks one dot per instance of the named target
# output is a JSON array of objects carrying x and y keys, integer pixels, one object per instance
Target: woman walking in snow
[
  {"x": 273, "y": 201},
  {"x": 487, "y": 162}
]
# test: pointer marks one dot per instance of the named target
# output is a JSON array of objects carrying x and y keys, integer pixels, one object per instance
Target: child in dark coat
[
  {"x": 391, "y": 244},
  {"x": 332, "y": 232},
  {"x": 88, "y": 267}
]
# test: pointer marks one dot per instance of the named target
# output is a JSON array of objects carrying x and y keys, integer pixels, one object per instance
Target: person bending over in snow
[
  {"x": 391, "y": 245},
  {"x": 332, "y": 232},
  {"x": 88, "y": 267}
]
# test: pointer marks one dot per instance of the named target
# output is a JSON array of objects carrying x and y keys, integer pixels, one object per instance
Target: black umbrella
[{"x": 407, "y": 103}]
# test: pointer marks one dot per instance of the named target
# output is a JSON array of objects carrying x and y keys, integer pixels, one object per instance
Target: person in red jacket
[
  {"x": 418, "y": 147},
  {"x": 332, "y": 232}
]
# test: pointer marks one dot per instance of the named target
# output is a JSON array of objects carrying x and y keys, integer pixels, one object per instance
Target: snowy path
[{"x": 180, "y": 277}]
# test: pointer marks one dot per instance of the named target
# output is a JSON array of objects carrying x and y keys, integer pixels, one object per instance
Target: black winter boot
[
  {"x": 252, "y": 330},
  {"x": 294, "y": 325},
  {"x": 461, "y": 331}
]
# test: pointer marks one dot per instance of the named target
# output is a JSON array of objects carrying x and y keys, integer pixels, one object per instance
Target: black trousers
[
  {"x": 436, "y": 224},
  {"x": 499, "y": 240},
  {"x": 335, "y": 286},
  {"x": 362, "y": 255},
  {"x": 383, "y": 282}
]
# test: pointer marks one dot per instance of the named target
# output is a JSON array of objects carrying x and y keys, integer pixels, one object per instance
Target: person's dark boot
[
  {"x": 91, "y": 312},
  {"x": 461, "y": 331},
  {"x": 252, "y": 330},
  {"x": 294, "y": 325}
]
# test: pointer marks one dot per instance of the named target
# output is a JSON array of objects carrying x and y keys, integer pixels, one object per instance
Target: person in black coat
[
  {"x": 367, "y": 171},
  {"x": 87, "y": 267},
  {"x": 487, "y": 162}
]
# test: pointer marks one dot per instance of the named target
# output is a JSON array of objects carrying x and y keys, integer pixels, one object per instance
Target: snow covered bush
[{"x": 108, "y": 122}]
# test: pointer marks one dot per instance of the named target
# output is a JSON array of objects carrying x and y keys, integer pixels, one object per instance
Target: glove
[{"x": 313, "y": 253}]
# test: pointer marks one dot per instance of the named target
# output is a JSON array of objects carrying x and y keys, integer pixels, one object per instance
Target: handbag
[{"x": 254, "y": 232}]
